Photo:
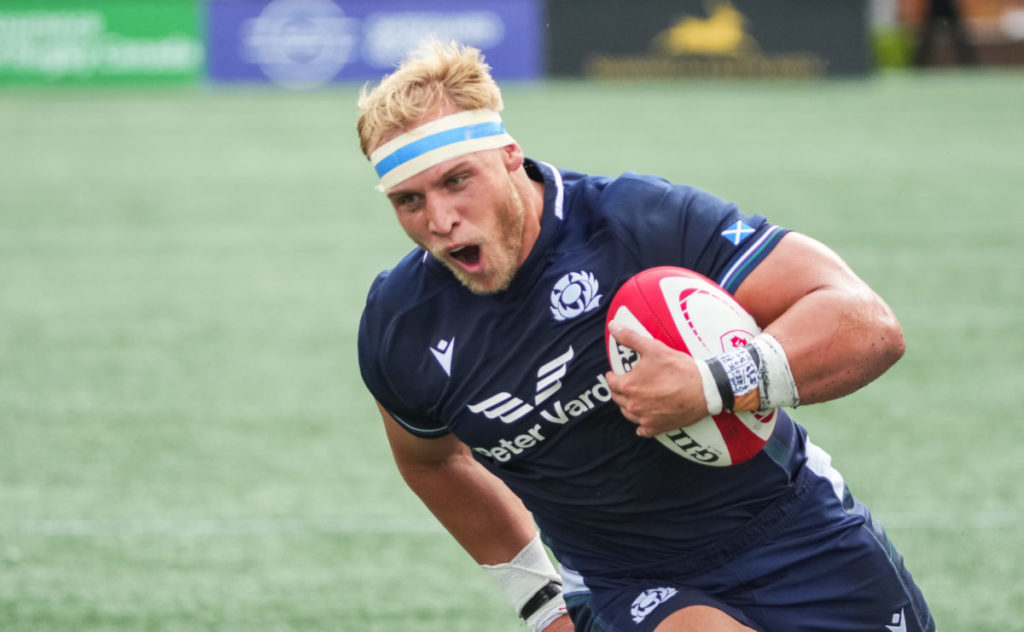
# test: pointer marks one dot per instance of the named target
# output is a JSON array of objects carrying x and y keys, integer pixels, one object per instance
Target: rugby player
[{"x": 484, "y": 349}]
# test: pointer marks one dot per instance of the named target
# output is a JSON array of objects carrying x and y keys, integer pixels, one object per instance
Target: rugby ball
[{"x": 691, "y": 313}]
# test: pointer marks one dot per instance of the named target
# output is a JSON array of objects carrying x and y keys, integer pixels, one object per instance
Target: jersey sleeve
[
  {"x": 667, "y": 224},
  {"x": 380, "y": 364}
]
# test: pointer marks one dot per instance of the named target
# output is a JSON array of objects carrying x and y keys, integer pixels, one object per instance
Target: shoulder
[
  {"x": 663, "y": 223},
  {"x": 396, "y": 332},
  {"x": 411, "y": 282},
  {"x": 599, "y": 196},
  {"x": 632, "y": 198},
  {"x": 394, "y": 300},
  {"x": 608, "y": 193},
  {"x": 646, "y": 211}
]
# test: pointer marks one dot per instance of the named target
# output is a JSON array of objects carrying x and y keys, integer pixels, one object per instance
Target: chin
[{"x": 483, "y": 286}]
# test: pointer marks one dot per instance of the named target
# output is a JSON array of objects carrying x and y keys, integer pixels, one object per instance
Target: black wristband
[
  {"x": 755, "y": 356},
  {"x": 550, "y": 590},
  {"x": 722, "y": 382}
]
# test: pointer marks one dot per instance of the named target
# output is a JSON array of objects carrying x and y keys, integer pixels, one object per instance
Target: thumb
[{"x": 631, "y": 338}]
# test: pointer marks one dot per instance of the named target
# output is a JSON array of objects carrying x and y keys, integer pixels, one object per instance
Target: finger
[
  {"x": 645, "y": 432},
  {"x": 623, "y": 403},
  {"x": 625, "y": 407},
  {"x": 631, "y": 338},
  {"x": 612, "y": 378}
]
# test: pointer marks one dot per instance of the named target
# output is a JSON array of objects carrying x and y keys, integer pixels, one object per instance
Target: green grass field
[{"x": 185, "y": 443}]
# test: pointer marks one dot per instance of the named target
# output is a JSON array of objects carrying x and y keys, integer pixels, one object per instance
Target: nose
[{"x": 442, "y": 217}]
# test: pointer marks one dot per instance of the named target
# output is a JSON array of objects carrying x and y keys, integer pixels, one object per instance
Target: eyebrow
[
  {"x": 447, "y": 173},
  {"x": 459, "y": 166}
]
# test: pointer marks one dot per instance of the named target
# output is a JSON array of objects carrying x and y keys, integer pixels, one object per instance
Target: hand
[
  {"x": 663, "y": 392},
  {"x": 561, "y": 624}
]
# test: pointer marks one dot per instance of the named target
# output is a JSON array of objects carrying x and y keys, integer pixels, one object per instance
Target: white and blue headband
[{"x": 437, "y": 141}]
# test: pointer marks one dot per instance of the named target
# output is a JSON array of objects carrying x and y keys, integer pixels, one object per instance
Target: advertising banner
[
  {"x": 100, "y": 41},
  {"x": 708, "y": 38},
  {"x": 308, "y": 43}
]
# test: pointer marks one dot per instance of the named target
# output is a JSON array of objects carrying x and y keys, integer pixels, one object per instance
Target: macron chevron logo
[
  {"x": 509, "y": 408},
  {"x": 443, "y": 353},
  {"x": 899, "y": 622}
]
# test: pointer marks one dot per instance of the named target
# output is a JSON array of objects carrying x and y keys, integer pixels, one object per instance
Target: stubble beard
[{"x": 503, "y": 251}]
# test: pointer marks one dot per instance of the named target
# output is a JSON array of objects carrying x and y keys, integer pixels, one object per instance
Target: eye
[
  {"x": 407, "y": 201},
  {"x": 456, "y": 181}
]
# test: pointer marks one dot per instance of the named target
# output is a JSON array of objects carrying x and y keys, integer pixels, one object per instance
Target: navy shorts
[{"x": 823, "y": 566}]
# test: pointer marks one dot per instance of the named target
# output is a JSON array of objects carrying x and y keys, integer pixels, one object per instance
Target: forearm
[{"x": 486, "y": 518}]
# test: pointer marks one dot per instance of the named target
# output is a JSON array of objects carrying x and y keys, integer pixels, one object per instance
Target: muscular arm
[
  {"x": 490, "y": 523},
  {"x": 476, "y": 508},
  {"x": 480, "y": 512},
  {"x": 837, "y": 333}
]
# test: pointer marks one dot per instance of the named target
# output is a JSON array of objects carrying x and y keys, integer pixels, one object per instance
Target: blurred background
[{"x": 188, "y": 232}]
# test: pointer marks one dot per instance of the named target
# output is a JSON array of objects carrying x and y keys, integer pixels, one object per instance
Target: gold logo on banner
[
  {"x": 714, "y": 46},
  {"x": 723, "y": 32}
]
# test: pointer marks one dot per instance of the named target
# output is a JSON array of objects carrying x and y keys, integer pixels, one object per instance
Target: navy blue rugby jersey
[{"x": 519, "y": 376}]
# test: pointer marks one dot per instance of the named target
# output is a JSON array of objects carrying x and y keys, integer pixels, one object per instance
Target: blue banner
[{"x": 304, "y": 44}]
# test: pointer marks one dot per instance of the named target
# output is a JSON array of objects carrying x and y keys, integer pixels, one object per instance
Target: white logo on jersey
[
  {"x": 443, "y": 353},
  {"x": 557, "y": 413},
  {"x": 509, "y": 408},
  {"x": 648, "y": 600},
  {"x": 899, "y": 623},
  {"x": 574, "y": 294}
]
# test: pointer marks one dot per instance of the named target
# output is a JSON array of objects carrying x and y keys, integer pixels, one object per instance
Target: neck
[{"x": 531, "y": 193}]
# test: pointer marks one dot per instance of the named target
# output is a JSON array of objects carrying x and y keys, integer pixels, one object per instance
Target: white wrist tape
[
  {"x": 711, "y": 394},
  {"x": 542, "y": 621},
  {"x": 531, "y": 584},
  {"x": 777, "y": 386},
  {"x": 761, "y": 365}
]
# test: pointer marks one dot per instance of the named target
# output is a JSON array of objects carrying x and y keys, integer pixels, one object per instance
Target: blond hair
[{"x": 432, "y": 76}]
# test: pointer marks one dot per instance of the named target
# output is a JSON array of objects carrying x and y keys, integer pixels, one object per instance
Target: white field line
[{"x": 348, "y": 525}]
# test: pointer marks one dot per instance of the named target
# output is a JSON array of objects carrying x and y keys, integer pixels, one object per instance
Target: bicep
[
  {"x": 411, "y": 451},
  {"x": 487, "y": 519},
  {"x": 838, "y": 334},
  {"x": 797, "y": 267}
]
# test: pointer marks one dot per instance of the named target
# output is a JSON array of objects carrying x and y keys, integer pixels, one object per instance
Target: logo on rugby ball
[{"x": 691, "y": 313}]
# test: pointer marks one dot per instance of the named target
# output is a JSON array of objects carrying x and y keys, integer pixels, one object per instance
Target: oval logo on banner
[{"x": 299, "y": 44}]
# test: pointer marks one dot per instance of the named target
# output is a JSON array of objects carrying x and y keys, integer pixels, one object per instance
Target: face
[{"x": 469, "y": 215}]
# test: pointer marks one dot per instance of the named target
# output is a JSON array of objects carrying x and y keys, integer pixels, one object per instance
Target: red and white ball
[{"x": 691, "y": 313}]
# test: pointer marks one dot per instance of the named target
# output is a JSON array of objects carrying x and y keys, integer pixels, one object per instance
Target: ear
[{"x": 512, "y": 156}]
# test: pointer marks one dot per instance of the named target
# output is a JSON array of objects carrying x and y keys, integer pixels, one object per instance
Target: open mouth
[{"x": 466, "y": 255}]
